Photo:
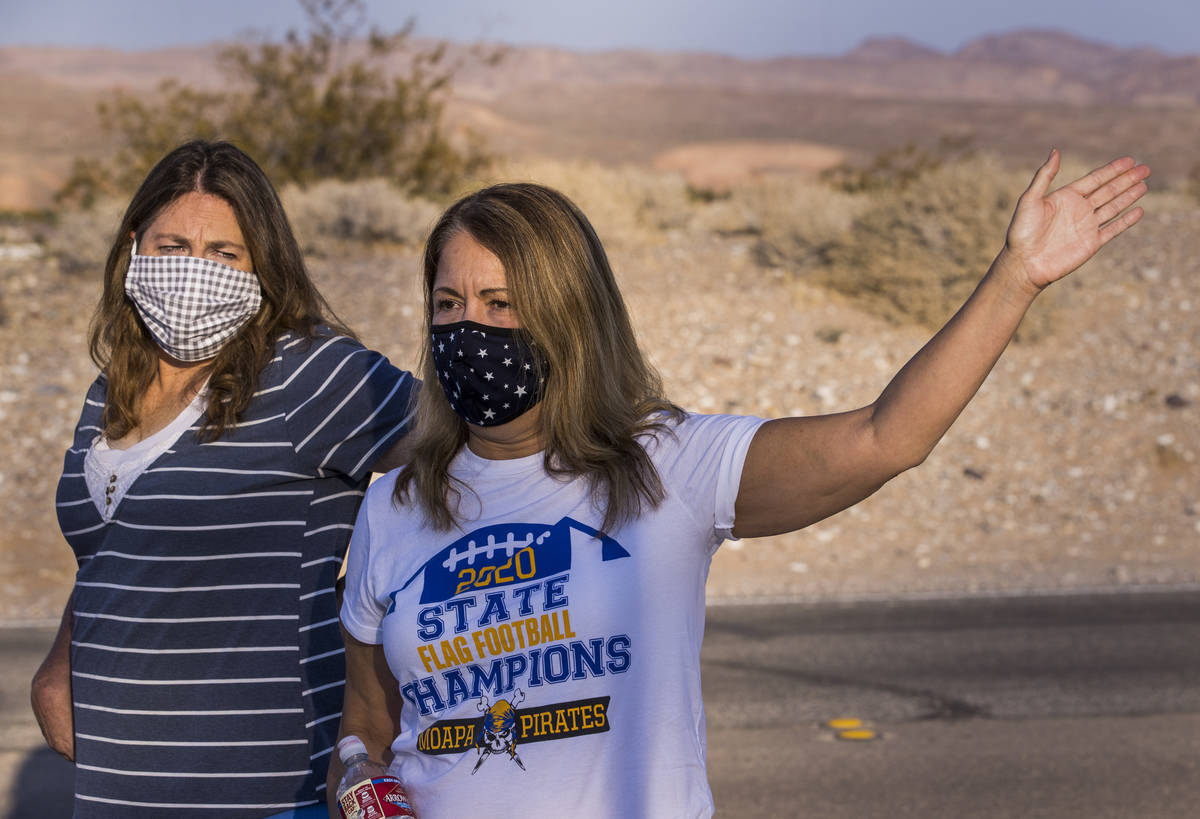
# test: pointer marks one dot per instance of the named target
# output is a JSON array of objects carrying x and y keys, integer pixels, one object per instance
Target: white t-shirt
[
  {"x": 547, "y": 672},
  {"x": 110, "y": 472}
]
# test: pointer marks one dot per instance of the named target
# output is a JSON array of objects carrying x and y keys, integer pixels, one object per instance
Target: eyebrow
[
  {"x": 489, "y": 291},
  {"x": 175, "y": 238}
]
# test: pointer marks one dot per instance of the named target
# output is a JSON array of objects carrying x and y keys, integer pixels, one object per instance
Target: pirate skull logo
[{"x": 497, "y": 731}]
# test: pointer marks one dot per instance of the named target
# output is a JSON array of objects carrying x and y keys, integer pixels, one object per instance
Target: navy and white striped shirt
[{"x": 206, "y": 659}]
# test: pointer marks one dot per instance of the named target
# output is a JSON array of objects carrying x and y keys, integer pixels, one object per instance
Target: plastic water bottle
[{"x": 367, "y": 790}]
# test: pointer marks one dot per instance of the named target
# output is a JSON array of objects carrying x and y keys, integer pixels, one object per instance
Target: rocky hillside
[
  {"x": 1076, "y": 466},
  {"x": 1012, "y": 94}
]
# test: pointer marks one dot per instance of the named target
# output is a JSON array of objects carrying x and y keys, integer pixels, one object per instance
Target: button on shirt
[{"x": 110, "y": 472}]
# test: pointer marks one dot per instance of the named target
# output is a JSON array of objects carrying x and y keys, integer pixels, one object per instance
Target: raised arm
[{"x": 801, "y": 470}]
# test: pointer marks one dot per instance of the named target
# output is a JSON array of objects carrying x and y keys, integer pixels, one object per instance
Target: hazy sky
[{"x": 751, "y": 28}]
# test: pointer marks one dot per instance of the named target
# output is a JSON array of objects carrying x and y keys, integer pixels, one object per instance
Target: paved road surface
[
  {"x": 1032, "y": 707},
  {"x": 1044, "y": 707}
]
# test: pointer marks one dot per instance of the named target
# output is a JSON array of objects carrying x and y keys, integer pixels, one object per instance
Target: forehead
[
  {"x": 466, "y": 265},
  {"x": 202, "y": 214}
]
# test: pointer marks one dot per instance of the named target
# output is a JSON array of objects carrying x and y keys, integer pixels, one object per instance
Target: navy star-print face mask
[{"x": 490, "y": 374}]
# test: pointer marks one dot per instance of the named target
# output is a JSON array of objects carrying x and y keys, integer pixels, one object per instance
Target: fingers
[
  {"x": 1040, "y": 185},
  {"x": 1087, "y": 185},
  {"x": 1122, "y": 201},
  {"x": 1117, "y": 226},
  {"x": 1109, "y": 192}
]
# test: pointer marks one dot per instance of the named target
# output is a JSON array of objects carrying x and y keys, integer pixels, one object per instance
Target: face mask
[
  {"x": 489, "y": 374},
  {"x": 191, "y": 306}
]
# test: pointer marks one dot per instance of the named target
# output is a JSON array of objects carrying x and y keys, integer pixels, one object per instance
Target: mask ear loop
[{"x": 133, "y": 249}]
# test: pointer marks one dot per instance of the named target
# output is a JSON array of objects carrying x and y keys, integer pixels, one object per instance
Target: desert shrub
[
  {"x": 898, "y": 167},
  {"x": 733, "y": 215},
  {"x": 326, "y": 104},
  {"x": 797, "y": 220},
  {"x": 1192, "y": 181},
  {"x": 370, "y": 210},
  {"x": 910, "y": 249},
  {"x": 619, "y": 201},
  {"x": 919, "y": 250},
  {"x": 81, "y": 238}
]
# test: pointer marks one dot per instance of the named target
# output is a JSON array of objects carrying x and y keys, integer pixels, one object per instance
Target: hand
[
  {"x": 50, "y": 693},
  {"x": 1052, "y": 234},
  {"x": 50, "y": 696}
]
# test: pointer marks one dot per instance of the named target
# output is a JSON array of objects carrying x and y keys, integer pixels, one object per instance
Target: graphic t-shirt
[{"x": 548, "y": 670}]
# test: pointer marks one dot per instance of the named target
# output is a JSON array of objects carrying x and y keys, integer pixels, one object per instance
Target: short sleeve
[
  {"x": 701, "y": 465},
  {"x": 347, "y": 405},
  {"x": 362, "y": 612}
]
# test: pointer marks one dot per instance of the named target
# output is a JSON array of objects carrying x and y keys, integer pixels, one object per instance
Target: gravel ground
[{"x": 1074, "y": 468}]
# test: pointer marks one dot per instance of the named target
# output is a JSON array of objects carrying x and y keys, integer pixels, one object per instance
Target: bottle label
[{"x": 375, "y": 799}]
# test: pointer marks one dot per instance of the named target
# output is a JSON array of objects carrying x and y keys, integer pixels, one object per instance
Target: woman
[
  {"x": 209, "y": 494},
  {"x": 527, "y": 594}
]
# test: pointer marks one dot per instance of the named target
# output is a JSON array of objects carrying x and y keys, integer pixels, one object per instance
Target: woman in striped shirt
[{"x": 208, "y": 495}]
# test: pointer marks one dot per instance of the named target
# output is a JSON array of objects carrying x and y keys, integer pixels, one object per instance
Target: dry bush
[
  {"x": 900, "y": 166},
  {"x": 340, "y": 101},
  {"x": 365, "y": 211},
  {"x": 1192, "y": 181},
  {"x": 910, "y": 251},
  {"x": 918, "y": 252},
  {"x": 623, "y": 202},
  {"x": 81, "y": 239},
  {"x": 797, "y": 220}
]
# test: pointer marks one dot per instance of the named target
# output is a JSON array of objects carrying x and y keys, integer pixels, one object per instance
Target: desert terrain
[{"x": 1076, "y": 466}]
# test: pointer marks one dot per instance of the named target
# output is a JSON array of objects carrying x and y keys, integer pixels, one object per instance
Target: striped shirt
[{"x": 206, "y": 660}]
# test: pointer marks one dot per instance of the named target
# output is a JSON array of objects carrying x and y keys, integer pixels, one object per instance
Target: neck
[
  {"x": 175, "y": 376},
  {"x": 516, "y": 439}
]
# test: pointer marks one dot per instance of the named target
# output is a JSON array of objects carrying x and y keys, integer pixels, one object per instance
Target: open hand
[{"x": 1052, "y": 234}]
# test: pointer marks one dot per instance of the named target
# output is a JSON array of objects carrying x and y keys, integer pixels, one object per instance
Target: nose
[{"x": 475, "y": 310}]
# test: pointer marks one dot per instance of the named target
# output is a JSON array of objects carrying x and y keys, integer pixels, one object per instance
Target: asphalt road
[
  {"x": 1021, "y": 707},
  {"x": 1042, "y": 707}
]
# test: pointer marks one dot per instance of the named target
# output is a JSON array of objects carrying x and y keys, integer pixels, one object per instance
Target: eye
[
  {"x": 499, "y": 304},
  {"x": 230, "y": 257},
  {"x": 442, "y": 305},
  {"x": 166, "y": 250}
]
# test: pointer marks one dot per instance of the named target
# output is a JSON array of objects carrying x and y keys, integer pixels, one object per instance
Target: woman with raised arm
[
  {"x": 215, "y": 475},
  {"x": 525, "y": 598}
]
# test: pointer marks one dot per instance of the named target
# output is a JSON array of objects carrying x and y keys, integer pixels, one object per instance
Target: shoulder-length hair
[
  {"x": 600, "y": 393},
  {"x": 121, "y": 345}
]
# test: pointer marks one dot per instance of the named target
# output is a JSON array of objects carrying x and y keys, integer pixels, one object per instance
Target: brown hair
[
  {"x": 600, "y": 392},
  {"x": 121, "y": 345}
]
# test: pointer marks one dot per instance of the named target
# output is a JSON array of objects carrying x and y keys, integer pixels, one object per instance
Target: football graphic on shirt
[
  {"x": 490, "y": 652},
  {"x": 509, "y": 553}
]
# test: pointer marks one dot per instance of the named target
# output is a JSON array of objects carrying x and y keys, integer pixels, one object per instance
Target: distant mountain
[
  {"x": 1012, "y": 93},
  {"x": 108, "y": 68},
  {"x": 1049, "y": 47},
  {"x": 1142, "y": 75},
  {"x": 1026, "y": 65},
  {"x": 891, "y": 48}
]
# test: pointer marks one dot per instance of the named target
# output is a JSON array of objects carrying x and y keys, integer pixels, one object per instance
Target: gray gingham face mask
[{"x": 191, "y": 306}]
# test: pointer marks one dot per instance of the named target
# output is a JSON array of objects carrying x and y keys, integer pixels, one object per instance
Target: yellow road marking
[{"x": 857, "y": 734}]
